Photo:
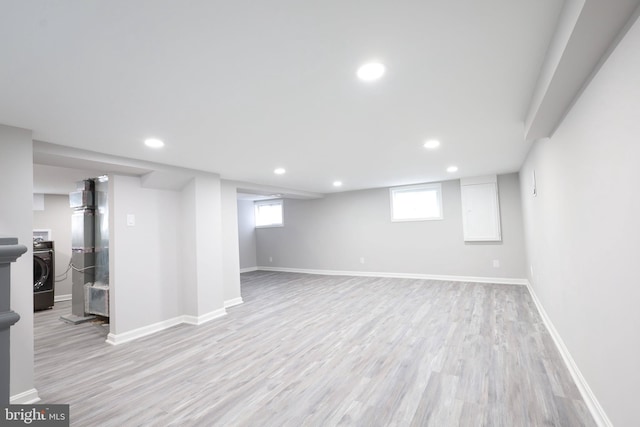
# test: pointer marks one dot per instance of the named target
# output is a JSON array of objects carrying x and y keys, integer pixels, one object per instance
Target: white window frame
[
  {"x": 273, "y": 202},
  {"x": 437, "y": 187},
  {"x": 42, "y": 233}
]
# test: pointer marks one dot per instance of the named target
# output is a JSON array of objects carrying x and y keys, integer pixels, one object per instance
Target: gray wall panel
[
  {"x": 582, "y": 230},
  {"x": 335, "y": 232},
  {"x": 16, "y": 220},
  {"x": 246, "y": 234}
]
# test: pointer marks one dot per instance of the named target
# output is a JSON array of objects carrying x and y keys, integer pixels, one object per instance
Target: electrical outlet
[
  {"x": 496, "y": 263},
  {"x": 361, "y": 260},
  {"x": 270, "y": 259}
]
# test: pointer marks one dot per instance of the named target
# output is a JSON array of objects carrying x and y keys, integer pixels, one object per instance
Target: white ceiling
[{"x": 240, "y": 88}]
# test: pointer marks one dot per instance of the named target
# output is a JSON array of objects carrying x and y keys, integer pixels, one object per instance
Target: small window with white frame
[
  {"x": 416, "y": 202},
  {"x": 269, "y": 213}
]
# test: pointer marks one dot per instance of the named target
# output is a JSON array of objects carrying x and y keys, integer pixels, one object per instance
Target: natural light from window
[
  {"x": 416, "y": 202},
  {"x": 268, "y": 213}
]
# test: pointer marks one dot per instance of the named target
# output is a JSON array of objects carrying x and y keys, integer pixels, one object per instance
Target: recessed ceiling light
[
  {"x": 452, "y": 169},
  {"x": 371, "y": 71},
  {"x": 153, "y": 143},
  {"x": 279, "y": 171},
  {"x": 337, "y": 183},
  {"x": 431, "y": 144}
]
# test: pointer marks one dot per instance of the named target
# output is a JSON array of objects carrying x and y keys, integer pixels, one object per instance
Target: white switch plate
[
  {"x": 496, "y": 263},
  {"x": 131, "y": 220}
]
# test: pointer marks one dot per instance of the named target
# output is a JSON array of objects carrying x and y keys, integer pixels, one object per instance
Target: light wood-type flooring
[{"x": 312, "y": 350}]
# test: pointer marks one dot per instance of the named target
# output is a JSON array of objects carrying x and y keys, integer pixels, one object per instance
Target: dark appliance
[{"x": 43, "y": 274}]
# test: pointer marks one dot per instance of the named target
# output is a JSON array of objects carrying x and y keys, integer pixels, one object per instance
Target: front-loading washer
[{"x": 43, "y": 274}]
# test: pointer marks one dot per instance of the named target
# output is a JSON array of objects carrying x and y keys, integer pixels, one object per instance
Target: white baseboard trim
[
  {"x": 248, "y": 269},
  {"x": 25, "y": 398},
  {"x": 199, "y": 320},
  {"x": 232, "y": 302},
  {"x": 117, "y": 339},
  {"x": 597, "y": 412},
  {"x": 474, "y": 279},
  {"x": 59, "y": 298}
]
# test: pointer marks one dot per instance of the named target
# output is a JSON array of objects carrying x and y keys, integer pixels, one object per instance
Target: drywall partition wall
[
  {"x": 201, "y": 251},
  {"x": 209, "y": 246},
  {"x": 56, "y": 216},
  {"x": 246, "y": 234},
  {"x": 582, "y": 231},
  {"x": 188, "y": 259},
  {"x": 145, "y": 280},
  {"x": 230, "y": 248},
  {"x": 16, "y": 189},
  {"x": 352, "y": 231}
]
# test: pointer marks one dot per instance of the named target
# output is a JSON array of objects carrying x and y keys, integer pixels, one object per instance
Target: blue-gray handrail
[{"x": 10, "y": 251}]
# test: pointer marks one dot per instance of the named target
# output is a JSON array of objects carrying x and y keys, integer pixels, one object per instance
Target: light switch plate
[{"x": 131, "y": 220}]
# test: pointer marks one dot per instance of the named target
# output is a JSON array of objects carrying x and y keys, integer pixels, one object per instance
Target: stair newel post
[{"x": 10, "y": 251}]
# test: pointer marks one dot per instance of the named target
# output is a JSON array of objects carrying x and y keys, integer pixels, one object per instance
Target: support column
[
  {"x": 10, "y": 251},
  {"x": 203, "y": 291}
]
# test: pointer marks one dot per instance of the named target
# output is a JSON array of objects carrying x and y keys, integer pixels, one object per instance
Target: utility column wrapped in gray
[{"x": 10, "y": 251}]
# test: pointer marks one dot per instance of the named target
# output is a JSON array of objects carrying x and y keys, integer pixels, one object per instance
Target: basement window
[
  {"x": 416, "y": 202},
  {"x": 268, "y": 213}
]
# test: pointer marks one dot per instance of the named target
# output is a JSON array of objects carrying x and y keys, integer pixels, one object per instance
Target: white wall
[
  {"x": 145, "y": 274},
  {"x": 169, "y": 266},
  {"x": 202, "y": 243},
  {"x": 582, "y": 231},
  {"x": 209, "y": 243},
  {"x": 176, "y": 264},
  {"x": 334, "y": 232},
  {"x": 247, "y": 234},
  {"x": 230, "y": 249},
  {"x": 16, "y": 220},
  {"x": 56, "y": 216},
  {"x": 188, "y": 245}
]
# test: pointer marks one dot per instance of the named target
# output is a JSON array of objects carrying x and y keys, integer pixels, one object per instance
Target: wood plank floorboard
[{"x": 312, "y": 350}]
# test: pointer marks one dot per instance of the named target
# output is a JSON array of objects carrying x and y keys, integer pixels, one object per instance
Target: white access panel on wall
[{"x": 480, "y": 209}]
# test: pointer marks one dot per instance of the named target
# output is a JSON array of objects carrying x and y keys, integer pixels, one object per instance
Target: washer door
[{"x": 40, "y": 273}]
